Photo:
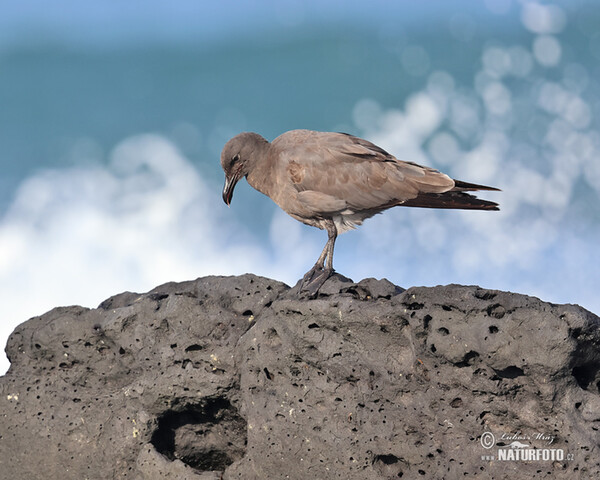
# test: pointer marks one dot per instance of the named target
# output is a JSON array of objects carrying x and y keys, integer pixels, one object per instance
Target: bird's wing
[{"x": 348, "y": 169}]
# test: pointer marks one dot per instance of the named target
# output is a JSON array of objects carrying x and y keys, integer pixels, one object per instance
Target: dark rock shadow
[{"x": 208, "y": 436}]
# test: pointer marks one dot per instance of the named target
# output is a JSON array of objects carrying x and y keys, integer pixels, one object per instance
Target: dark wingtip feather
[
  {"x": 451, "y": 200},
  {"x": 460, "y": 186}
]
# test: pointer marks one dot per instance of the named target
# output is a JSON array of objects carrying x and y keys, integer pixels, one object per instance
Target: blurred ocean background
[{"x": 113, "y": 115}]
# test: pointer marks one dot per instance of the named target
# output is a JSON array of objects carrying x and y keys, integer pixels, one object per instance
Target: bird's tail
[{"x": 455, "y": 198}]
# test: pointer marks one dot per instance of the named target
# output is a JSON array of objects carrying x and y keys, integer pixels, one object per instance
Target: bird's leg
[
  {"x": 317, "y": 275},
  {"x": 318, "y": 267}
]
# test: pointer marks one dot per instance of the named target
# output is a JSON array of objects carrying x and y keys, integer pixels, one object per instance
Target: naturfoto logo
[{"x": 521, "y": 447}]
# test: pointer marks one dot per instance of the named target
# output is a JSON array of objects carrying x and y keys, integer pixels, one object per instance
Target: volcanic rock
[{"x": 237, "y": 377}]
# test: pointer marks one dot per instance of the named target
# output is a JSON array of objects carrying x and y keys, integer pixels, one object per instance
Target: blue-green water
[{"x": 109, "y": 147}]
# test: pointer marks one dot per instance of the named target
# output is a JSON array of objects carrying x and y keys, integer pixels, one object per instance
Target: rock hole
[
  {"x": 194, "y": 348},
  {"x": 493, "y": 329},
  {"x": 247, "y": 313},
  {"x": 468, "y": 359},
  {"x": 313, "y": 325},
  {"x": 447, "y": 308},
  {"x": 443, "y": 331},
  {"x": 388, "y": 465},
  {"x": 208, "y": 436},
  {"x": 186, "y": 362},
  {"x": 496, "y": 310},
  {"x": 426, "y": 321},
  {"x": 584, "y": 375},
  {"x": 415, "y": 306},
  {"x": 485, "y": 294},
  {"x": 510, "y": 372},
  {"x": 272, "y": 334},
  {"x": 352, "y": 291},
  {"x": 457, "y": 402},
  {"x": 386, "y": 459},
  {"x": 575, "y": 332},
  {"x": 158, "y": 296},
  {"x": 267, "y": 373}
]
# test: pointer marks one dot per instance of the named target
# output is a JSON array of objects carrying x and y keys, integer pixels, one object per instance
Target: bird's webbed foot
[{"x": 314, "y": 279}]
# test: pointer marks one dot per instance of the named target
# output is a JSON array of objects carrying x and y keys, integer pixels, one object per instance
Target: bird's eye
[{"x": 235, "y": 158}]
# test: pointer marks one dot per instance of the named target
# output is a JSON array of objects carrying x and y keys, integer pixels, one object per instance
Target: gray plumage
[{"x": 334, "y": 181}]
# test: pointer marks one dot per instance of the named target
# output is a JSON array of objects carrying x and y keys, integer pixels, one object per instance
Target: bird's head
[{"x": 238, "y": 157}]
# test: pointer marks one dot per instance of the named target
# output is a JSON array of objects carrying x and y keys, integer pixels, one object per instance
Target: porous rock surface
[{"x": 237, "y": 377}]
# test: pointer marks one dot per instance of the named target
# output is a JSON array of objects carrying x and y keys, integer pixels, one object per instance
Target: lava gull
[{"x": 334, "y": 181}]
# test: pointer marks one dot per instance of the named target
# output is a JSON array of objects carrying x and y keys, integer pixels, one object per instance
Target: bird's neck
[{"x": 260, "y": 168}]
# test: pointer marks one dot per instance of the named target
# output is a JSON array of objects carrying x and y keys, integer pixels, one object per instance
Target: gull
[{"x": 335, "y": 181}]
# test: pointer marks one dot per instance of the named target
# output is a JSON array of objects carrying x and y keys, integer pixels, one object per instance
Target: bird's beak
[{"x": 228, "y": 189}]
